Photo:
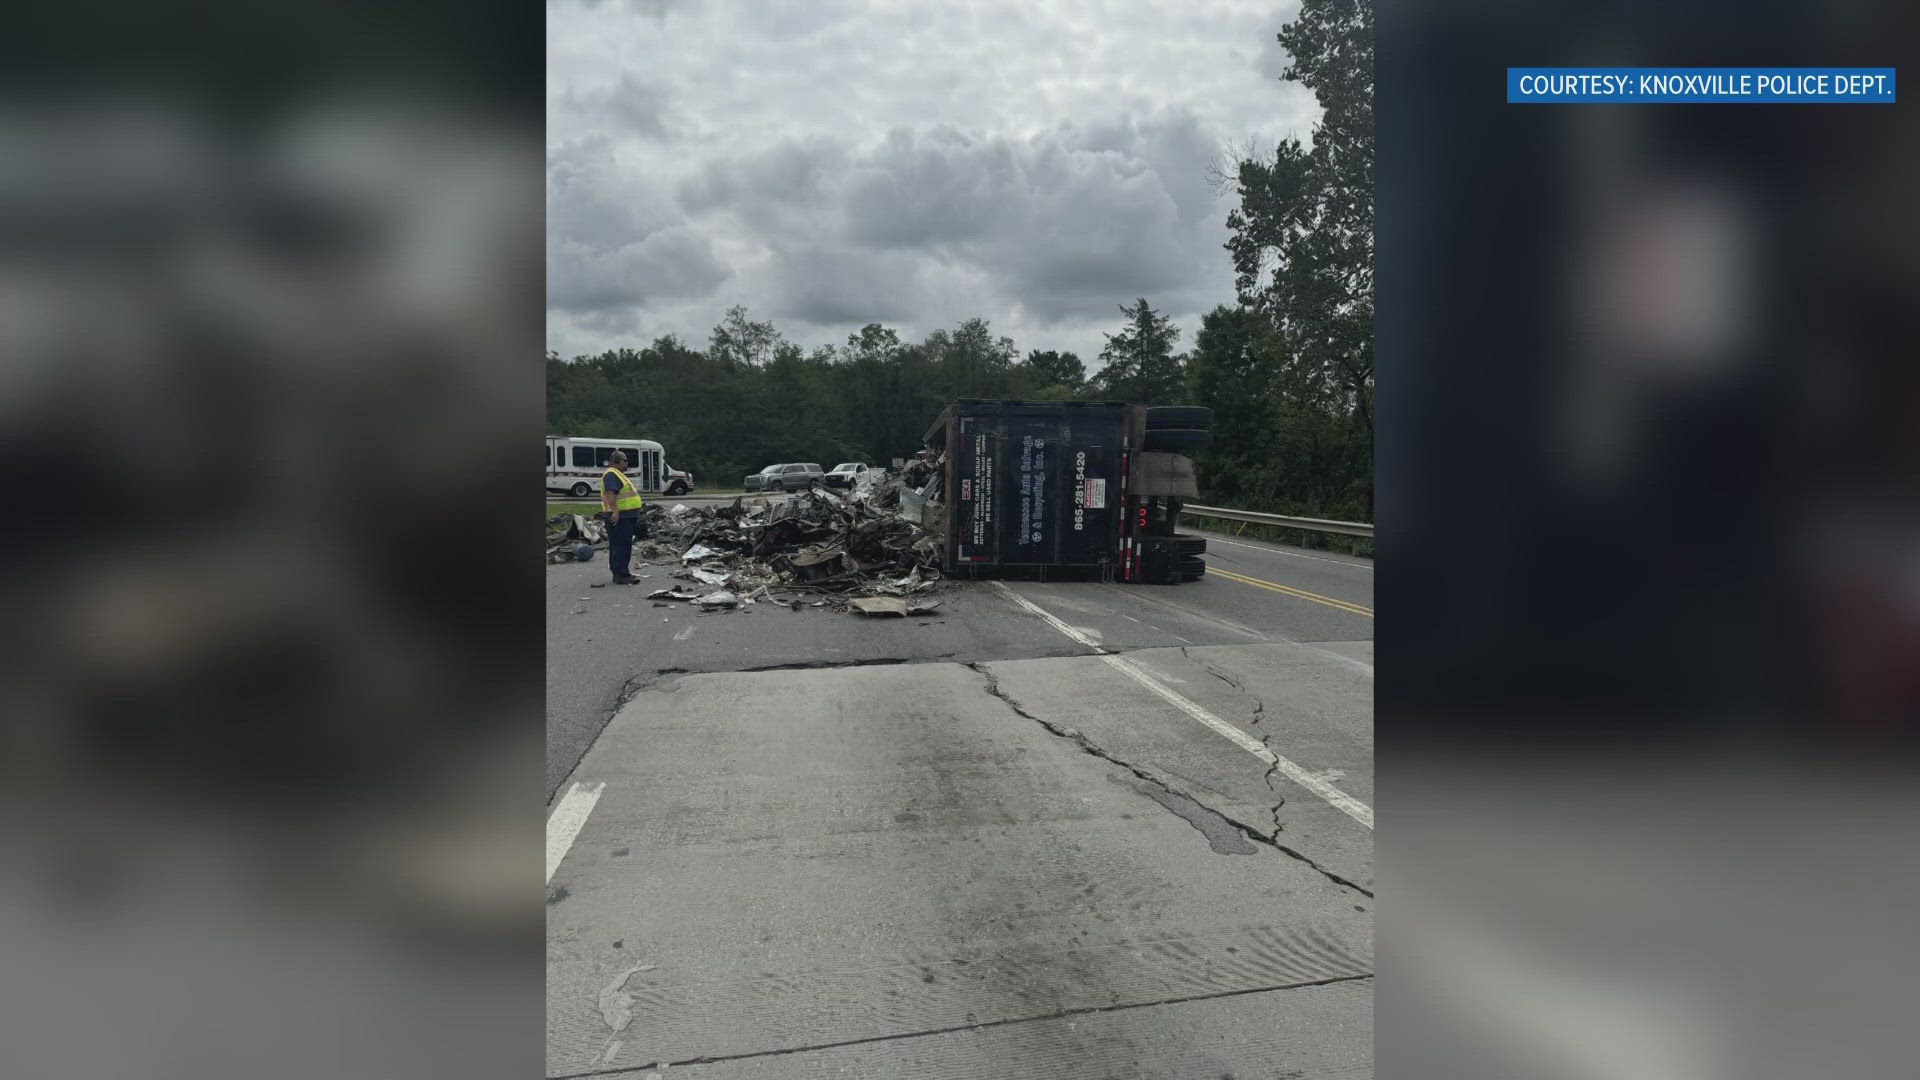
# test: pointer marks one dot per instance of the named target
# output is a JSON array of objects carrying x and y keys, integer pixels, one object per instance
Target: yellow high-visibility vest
[{"x": 629, "y": 497}]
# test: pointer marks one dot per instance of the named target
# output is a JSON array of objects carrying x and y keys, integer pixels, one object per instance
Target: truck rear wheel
[{"x": 1192, "y": 568}]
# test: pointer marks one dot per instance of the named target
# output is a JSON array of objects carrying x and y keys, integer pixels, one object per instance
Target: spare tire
[
  {"x": 1178, "y": 416},
  {"x": 1178, "y": 440}
]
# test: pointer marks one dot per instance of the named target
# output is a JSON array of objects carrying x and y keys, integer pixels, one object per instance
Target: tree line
[{"x": 1287, "y": 367}]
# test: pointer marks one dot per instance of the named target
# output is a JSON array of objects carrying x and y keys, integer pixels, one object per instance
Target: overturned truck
[{"x": 1039, "y": 488}]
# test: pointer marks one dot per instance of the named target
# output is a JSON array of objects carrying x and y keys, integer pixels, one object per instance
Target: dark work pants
[{"x": 620, "y": 546}]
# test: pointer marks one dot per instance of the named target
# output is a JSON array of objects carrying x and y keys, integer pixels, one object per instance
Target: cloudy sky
[{"x": 830, "y": 163}]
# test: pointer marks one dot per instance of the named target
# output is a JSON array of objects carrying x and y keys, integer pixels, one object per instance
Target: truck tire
[
  {"x": 1189, "y": 545},
  {"x": 1165, "y": 417},
  {"x": 1177, "y": 440},
  {"x": 1192, "y": 568}
]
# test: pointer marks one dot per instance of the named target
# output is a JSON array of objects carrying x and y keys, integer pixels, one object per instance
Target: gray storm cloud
[{"x": 829, "y": 165}]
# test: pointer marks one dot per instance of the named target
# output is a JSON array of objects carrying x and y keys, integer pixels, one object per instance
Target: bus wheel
[
  {"x": 678, "y": 488},
  {"x": 581, "y": 490}
]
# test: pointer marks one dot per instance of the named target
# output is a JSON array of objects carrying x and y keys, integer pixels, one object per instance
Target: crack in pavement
[
  {"x": 1090, "y": 1010},
  {"x": 633, "y": 687},
  {"x": 1159, "y": 780},
  {"x": 1265, "y": 735},
  {"x": 646, "y": 680}
]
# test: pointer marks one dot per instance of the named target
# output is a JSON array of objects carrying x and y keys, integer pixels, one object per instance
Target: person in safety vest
[{"x": 621, "y": 499}]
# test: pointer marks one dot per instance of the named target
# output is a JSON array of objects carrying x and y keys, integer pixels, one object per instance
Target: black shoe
[{"x": 626, "y": 581}]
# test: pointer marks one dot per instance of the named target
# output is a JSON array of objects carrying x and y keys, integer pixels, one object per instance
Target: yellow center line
[{"x": 1290, "y": 591}]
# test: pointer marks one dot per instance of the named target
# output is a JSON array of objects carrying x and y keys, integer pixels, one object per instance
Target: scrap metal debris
[
  {"x": 892, "y": 605},
  {"x": 568, "y": 533},
  {"x": 809, "y": 549}
]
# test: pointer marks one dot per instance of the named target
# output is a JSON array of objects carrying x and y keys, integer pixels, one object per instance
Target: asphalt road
[{"x": 1107, "y": 831}]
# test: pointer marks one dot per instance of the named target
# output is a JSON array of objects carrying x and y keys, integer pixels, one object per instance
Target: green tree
[
  {"x": 1302, "y": 237},
  {"x": 1140, "y": 364},
  {"x": 973, "y": 363},
  {"x": 1051, "y": 368},
  {"x": 739, "y": 341}
]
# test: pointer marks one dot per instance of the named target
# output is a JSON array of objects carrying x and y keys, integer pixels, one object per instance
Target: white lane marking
[
  {"x": 1355, "y": 663},
  {"x": 567, "y": 820},
  {"x": 1047, "y": 617},
  {"x": 1211, "y": 539},
  {"x": 1312, "y": 781},
  {"x": 684, "y": 634}
]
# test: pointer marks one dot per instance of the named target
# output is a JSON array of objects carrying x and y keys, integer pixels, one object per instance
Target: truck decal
[{"x": 1033, "y": 487}]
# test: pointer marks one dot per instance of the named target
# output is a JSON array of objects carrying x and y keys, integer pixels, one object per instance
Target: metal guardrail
[{"x": 1344, "y": 528}]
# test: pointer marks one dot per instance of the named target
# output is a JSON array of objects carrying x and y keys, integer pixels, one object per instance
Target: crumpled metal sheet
[
  {"x": 566, "y": 532},
  {"x": 890, "y": 605},
  {"x": 879, "y": 605}
]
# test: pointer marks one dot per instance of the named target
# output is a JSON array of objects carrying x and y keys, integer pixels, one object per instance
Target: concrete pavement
[{"x": 963, "y": 845}]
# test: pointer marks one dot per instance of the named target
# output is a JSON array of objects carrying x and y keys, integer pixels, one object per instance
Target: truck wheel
[
  {"x": 1192, "y": 568},
  {"x": 1189, "y": 545},
  {"x": 1178, "y": 440},
  {"x": 581, "y": 490},
  {"x": 1164, "y": 417}
]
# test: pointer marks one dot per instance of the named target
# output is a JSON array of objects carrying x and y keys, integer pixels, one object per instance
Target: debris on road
[
  {"x": 816, "y": 548},
  {"x": 892, "y": 605},
  {"x": 568, "y": 533},
  {"x": 879, "y": 605}
]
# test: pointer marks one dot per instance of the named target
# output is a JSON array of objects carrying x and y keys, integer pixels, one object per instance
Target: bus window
[
  {"x": 583, "y": 457},
  {"x": 601, "y": 454},
  {"x": 652, "y": 479}
]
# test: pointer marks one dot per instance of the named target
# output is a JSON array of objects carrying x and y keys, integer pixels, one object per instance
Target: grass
[
  {"x": 592, "y": 507},
  {"x": 586, "y": 508}
]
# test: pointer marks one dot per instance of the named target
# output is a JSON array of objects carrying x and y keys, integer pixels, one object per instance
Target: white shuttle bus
[{"x": 575, "y": 466}]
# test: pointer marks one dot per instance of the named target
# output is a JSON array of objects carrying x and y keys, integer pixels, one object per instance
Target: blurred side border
[
  {"x": 1647, "y": 542},
  {"x": 271, "y": 320}
]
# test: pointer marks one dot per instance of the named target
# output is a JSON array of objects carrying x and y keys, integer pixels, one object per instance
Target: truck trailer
[{"x": 1052, "y": 488}]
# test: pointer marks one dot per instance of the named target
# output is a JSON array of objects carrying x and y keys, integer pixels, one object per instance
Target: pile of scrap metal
[
  {"x": 572, "y": 537},
  {"x": 816, "y": 548}
]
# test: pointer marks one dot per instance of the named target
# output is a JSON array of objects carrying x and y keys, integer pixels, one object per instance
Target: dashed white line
[
  {"x": 1312, "y": 781},
  {"x": 567, "y": 820}
]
